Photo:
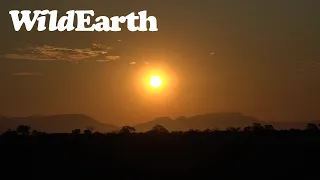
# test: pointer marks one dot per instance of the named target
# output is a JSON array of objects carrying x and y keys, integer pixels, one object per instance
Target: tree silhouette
[
  {"x": 248, "y": 129},
  {"x": 257, "y": 127},
  {"x": 233, "y": 129},
  {"x": 76, "y": 131},
  {"x": 97, "y": 133},
  {"x": 194, "y": 131},
  {"x": 127, "y": 130},
  {"x": 87, "y": 132},
  {"x": 312, "y": 127},
  {"x": 269, "y": 127},
  {"x": 23, "y": 130},
  {"x": 9, "y": 132},
  {"x": 159, "y": 129},
  {"x": 35, "y": 133}
]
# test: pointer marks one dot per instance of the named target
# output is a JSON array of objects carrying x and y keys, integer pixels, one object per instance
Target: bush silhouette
[
  {"x": 127, "y": 130},
  {"x": 23, "y": 130}
]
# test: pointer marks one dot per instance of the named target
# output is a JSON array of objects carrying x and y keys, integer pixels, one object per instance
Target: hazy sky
[{"x": 266, "y": 62}]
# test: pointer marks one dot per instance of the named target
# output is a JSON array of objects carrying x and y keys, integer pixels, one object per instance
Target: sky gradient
[{"x": 257, "y": 57}]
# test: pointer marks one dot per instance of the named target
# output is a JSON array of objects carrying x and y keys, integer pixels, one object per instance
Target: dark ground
[{"x": 196, "y": 155}]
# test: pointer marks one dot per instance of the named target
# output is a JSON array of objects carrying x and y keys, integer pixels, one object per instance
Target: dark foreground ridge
[{"x": 254, "y": 152}]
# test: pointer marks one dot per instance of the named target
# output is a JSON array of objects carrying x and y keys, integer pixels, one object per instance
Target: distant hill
[
  {"x": 55, "y": 124},
  {"x": 201, "y": 122}
]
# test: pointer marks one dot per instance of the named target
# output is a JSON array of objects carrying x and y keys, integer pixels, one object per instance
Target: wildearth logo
[{"x": 83, "y": 23}]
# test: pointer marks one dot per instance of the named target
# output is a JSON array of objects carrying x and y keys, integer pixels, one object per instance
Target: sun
[{"x": 155, "y": 81}]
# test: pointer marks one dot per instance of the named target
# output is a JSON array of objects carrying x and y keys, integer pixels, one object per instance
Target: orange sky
[{"x": 265, "y": 62}]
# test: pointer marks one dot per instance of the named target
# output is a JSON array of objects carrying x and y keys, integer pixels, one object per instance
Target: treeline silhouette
[{"x": 257, "y": 151}]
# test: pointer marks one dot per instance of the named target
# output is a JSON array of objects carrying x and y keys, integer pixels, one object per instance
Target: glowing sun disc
[{"x": 155, "y": 81}]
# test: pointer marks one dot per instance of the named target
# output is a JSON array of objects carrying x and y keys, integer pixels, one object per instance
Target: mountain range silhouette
[{"x": 65, "y": 123}]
